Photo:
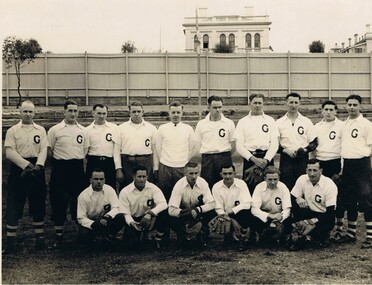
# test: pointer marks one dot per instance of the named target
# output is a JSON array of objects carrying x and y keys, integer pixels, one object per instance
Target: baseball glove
[
  {"x": 147, "y": 224},
  {"x": 253, "y": 175},
  {"x": 236, "y": 234},
  {"x": 274, "y": 231},
  {"x": 304, "y": 227},
  {"x": 220, "y": 224}
]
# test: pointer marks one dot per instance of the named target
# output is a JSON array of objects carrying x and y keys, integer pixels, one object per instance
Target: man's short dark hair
[
  {"x": 214, "y": 98},
  {"x": 227, "y": 165},
  {"x": 329, "y": 102},
  {"x": 293, "y": 94},
  {"x": 252, "y": 96},
  {"x": 313, "y": 161},
  {"x": 139, "y": 168},
  {"x": 175, "y": 104},
  {"x": 191, "y": 164},
  {"x": 97, "y": 170},
  {"x": 136, "y": 103},
  {"x": 69, "y": 102},
  {"x": 99, "y": 105},
  {"x": 271, "y": 169},
  {"x": 355, "y": 97}
]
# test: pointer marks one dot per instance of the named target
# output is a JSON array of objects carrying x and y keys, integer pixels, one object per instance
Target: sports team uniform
[
  {"x": 92, "y": 206},
  {"x": 215, "y": 138},
  {"x": 356, "y": 188},
  {"x": 294, "y": 136},
  {"x": 318, "y": 197},
  {"x": 175, "y": 146},
  {"x": 136, "y": 144},
  {"x": 256, "y": 136},
  {"x": 267, "y": 201},
  {"x": 30, "y": 143},
  {"x": 185, "y": 197},
  {"x": 100, "y": 145},
  {"x": 67, "y": 176},
  {"x": 328, "y": 151},
  {"x": 135, "y": 204},
  {"x": 235, "y": 198}
]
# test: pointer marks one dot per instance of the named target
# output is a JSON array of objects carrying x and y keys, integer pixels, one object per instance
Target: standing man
[
  {"x": 26, "y": 149},
  {"x": 356, "y": 188},
  {"x": 191, "y": 202},
  {"x": 143, "y": 205},
  {"x": 297, "y": 139},
  {"x": 66, "y": 141},
  {"x": 233, "y": 200},
  {"x": 100, "y": 145},
  {"x": 175, "y": 147},
  {"x": 328, "y": 152},
  {"x": 214, "y": 139},
  {"x": 134, "y": 146},
  {"x": 98, "y": 211},
  {"x": 256, "y": 138},
  {"x": 314, "y": 207},
  {"x": 271, "y": 207}
]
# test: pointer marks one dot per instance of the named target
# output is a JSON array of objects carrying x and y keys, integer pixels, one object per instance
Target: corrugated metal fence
[{"x": 175, "y": 75}]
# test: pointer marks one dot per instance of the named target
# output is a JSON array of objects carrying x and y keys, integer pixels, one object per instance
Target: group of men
[{"x": 141, "y": 178}]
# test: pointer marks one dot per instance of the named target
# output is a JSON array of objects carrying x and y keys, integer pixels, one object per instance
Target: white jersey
[
  {"x": 67, "y": 141},
  {"x": 356, "y": 137},
  {"x": 135, "y": 203},
  {"x": 256, "y": 132},
  {"x": 329, "y": 139},
  {"x": 297, "y": 135},
  {"x": 175, "y": 144},
  {"x": 235, "y": 198},
  {"x": 267, "y": 201},
  {"x": 95, "y": 204},
  {"x": 99, "y": 139},
  {"x": 28, "y": 141},
  {"x": 318, "y": 196},
  {"x": 215, "y": 136},
  {"x": 184, "y": 196}
]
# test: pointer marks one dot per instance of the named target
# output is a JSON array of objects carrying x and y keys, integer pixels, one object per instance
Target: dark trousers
[
  {"x": 66, "y": 183},
  {"x": 179, "y": 225},
  {"x": 259, "y": 226},
  {"x": 31, "y": 187},
  {"x": 355, "y": 190},
  {"x": 323, "y": 227},
  {"x": 211, "y": 166},
  {"x": 87, "y": 235},
  {"x": 292, "y": 168},
  {"x": 244, "y": 218},
  {"x": 129, "y": 162},
  {"x": 104, "y": 163},
  {"x": 168, "y": 177}
]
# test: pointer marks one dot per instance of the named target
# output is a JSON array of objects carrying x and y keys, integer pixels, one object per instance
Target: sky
[{"x": 102, "y": 26}]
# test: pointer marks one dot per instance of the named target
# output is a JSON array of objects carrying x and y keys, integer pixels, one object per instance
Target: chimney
[
  {"x": 202, "y": 13},
  {"x": 349, "y": 42},
  {"x": 368, "y": 28},
  {"x": 355, "y": 38},
  {"x": 343, "y": 45},
  {"x": 249, "y": 10}
]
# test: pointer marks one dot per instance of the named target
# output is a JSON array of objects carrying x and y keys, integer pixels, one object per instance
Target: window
[
  {"x": 232, "y": 40},
  {"x": 358, "y": 50},
  {"x": 222, "y": 39},
  {"x": 206, "y": 41},
  {"x": 248, "y": 41},
  {"x": 257, "y": 41}
]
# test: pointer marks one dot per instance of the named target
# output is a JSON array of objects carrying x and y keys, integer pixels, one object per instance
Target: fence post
[
  {"x": 7, "y": 86},
  {"x": 46, "y": 79},
  {"x": 86, "y": 79},
  {"x": 370, "y": 75},
  {"x": 166, "y": 79},
  {"x": 329, "y": 77},
  {"x": 289, "y": 72},
  {"x": 127, "y": 75},
  {"x": 207, "y": 72},
  {"x": 248, "y": 86}
]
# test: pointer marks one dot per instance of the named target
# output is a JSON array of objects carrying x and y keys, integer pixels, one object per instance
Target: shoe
[
  {"x": 202, "y": 240},
  {"x": 39, "y": 244},
  {"x": 367, "y": 243},
  {"x": 302, "y": 243},
  {"x": 338, "y": 236},
  {"x": 347, "y": 239},
  {"x": 58, "y": 243}
]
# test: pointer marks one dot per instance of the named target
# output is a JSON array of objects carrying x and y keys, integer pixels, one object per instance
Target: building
[
  {"x": 247, "y": 33},
  {"x": 361, "y": 44}
]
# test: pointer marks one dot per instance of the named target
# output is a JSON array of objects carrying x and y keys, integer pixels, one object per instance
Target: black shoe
[
  {"x": 337, "y": 237},
  {"x": 299, "y": 244},
  {"x": 202, "y": 241},
  {"x": 347, "y": 239},
  {"x": 58, "y": 243},
  {"x": 367, "y": 243},
  {"x": 39, "y": 244}
]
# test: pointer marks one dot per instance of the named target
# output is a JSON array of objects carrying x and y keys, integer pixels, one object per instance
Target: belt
[
  {"x": 218, "y": 153},
  {"x": 136, "y": 156},
  {"x": 101, "y": 158},
  {"x": 259, "y": 152}
]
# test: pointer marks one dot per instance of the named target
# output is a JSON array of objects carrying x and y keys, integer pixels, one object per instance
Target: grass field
[{"x": 337, "y": 264}]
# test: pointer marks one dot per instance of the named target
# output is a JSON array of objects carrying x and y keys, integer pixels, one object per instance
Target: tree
[
  {"x": 18, "y": 53},
  {"x": 316, "y": 47},
  {"x": 128, "y": 47},
  {"x": 223, "y": 48}
]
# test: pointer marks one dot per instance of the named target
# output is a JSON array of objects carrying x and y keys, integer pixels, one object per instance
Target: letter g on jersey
[
  {"x": 37, "y": 139},
  {"x": 79, "y": 139},
  {"x": 222, "y": 133},
  {"x": 354, "y": 133},
  {"x": 265, "y": 128},
  {"x": 109, "y": 137},
  {"x": 332, "y": 135},
  {"x": 147, "y": 142},
  {"x": 278, "y": 201},
  {"x": 318, "y": 199},
  {"x": 301, "y": 130}
]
